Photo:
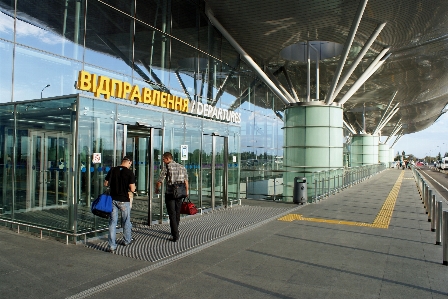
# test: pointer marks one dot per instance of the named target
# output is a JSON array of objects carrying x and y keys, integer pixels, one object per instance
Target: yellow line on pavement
[{"x": 382, "y": 219}]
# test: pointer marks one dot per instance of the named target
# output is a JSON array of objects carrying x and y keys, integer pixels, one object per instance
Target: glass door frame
[
  {"x": 151, "y": 172},
  {"x": 225, "y": 180},
  {"x": 44, "y": 175}
]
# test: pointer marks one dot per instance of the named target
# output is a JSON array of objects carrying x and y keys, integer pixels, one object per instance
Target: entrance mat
[{"x": 151, "y": 242}]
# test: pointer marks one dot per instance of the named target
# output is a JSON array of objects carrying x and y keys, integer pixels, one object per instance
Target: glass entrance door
[
  {"x": 144, "y": 146},
  {"x": 47, "y": 170},
  {"x": 214, "y": 171}
]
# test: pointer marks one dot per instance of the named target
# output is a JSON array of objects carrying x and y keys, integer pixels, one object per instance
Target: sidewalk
[{"x": 323, "y": 253}]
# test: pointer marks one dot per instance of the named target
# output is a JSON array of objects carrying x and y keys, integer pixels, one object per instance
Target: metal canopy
[{"x": 416, "y": 32}]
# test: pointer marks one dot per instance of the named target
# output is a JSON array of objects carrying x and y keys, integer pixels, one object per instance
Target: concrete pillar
[
  {"x": 364, "y": 149},
  {"x": 313, "y": 142}
]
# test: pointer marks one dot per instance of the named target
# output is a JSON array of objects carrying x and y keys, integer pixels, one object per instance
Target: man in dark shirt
[
  {"x": 121, "y": 180},
  {"x": 173, "y": 173}
]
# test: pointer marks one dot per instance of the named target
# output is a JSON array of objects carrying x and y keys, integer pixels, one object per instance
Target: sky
[{"x": 428, "y": 142}]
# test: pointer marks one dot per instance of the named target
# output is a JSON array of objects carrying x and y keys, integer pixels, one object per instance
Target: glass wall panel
[
  {"x": 7, "y": 19},
  {"x": 193, "y": 141},
  {"x": 126, "y": 7},
  {"x": 109, "y": 37},
  {"x": 233, "y": 187},
  {"x": 6, "y": 161},
  {"x": 43, "y": 188},
  {"x": 38, "y": 27},
  {"x": 6, "y": 50},
  {"x": 96, "y": 137},
  {"x": 150, "y": 57},
  {"x": 34, "y": 70}
]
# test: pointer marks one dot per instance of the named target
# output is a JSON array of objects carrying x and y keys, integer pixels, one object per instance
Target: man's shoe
[
  {"x": 112, "y": 250},
  {"x": 172, "y": 239},
  {"x": 127, "y": 244}
]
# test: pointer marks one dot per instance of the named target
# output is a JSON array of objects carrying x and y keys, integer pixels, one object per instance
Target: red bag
[{"x": 188, "y": 207}]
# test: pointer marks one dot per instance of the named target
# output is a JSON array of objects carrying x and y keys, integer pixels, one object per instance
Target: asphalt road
[{"x": 437, "y": 178}]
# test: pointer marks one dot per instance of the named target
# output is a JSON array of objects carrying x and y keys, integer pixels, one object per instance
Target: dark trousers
[{"x": 173, "y": 210}]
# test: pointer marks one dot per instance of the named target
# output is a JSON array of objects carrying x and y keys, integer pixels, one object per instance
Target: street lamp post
[{"x": 48, "y": 85}]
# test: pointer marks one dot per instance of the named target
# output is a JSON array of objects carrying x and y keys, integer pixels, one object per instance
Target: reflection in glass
[
  {"x": 34, "y": 70},
  {"x": 6, "y": 71},
  {"x": 37, "y": 26},
  {"x": 7, "y": 21}
]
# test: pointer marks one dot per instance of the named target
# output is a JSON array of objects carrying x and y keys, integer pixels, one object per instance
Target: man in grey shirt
[{"x": 173, "y": 173}]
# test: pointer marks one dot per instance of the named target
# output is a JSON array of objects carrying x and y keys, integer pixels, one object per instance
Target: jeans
[
  {"x": 125, "y": 209},
  {"x": 173, "y": 210}
]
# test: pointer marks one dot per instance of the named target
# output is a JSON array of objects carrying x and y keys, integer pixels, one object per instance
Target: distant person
[
  {"x": 121, "y": 181},
  {"x": 173, "y": 173}
]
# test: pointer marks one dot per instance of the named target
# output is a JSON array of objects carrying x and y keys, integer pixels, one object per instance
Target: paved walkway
[{"x": 369, "y": 241}]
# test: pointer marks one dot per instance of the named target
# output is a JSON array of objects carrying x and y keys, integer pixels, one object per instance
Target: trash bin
[{"x": 300, "y": 194}]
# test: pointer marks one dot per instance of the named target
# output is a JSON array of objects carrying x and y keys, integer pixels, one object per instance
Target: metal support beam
[
  {"x": 387, "y": 108},
  {"x": 396, "y": 139},
  {"x": 317, "y": 70},
  {"x": 308, "y": 72},
  {"x": 376, "y": 63},
  {"x": 397, "y": 128},
  {"x": 181, "y": 82},
  {"x": 154, "y": 76},
  {"x": 245, "y": 57},
  {"x": 358, "y": 59},
  {"x": 274, "y": 79},
  {"x": 347, "y": 46},
  {"x": 349, "y": 127},
  {"x": 381, "y": 126},
  {"x": 290, "y": 85}
]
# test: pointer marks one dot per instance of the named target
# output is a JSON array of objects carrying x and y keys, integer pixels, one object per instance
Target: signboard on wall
[
  {"x": 184, "y": 152},
  {"x": 108, "y": 87},
  {"x": 96, "y": 158}
]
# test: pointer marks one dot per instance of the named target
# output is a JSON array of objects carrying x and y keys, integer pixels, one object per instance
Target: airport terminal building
[{"x": 86, "y": 82}]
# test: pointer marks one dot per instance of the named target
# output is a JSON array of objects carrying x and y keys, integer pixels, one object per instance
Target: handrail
[{"x": 326, "y": 182}]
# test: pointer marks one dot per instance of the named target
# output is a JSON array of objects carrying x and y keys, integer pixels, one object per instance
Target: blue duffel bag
[{"x": 102, "y": 206}]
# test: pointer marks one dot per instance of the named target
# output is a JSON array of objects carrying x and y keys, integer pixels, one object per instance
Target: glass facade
[
  {"x": 58, "y": 151},
  {"x": 51, "y": 129}
]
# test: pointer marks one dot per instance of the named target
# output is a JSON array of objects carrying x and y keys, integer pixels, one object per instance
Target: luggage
[
  {"x": 188, "y": 207},
  {"x": 102, "y": 206},
  {"x": 179, "y": 190}
]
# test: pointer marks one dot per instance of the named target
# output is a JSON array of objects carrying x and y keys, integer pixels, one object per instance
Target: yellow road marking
[{"x": 382, "y": 219}]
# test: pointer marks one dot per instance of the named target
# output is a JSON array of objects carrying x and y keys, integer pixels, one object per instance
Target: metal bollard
[
  {"x": 433, "y": 213},
  {"x": 430, "y": 208},
  {"x": 438, "y": 220},
  {"x": 426, "y": 198},
  {"x": 421, "y": 188},
  {"x": 423, "y": 195},
  {"x": 445, "y": 238}
]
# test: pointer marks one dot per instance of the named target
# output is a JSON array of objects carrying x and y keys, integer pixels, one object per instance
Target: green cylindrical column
[
  {"x": 313, "y": 142},
  {"x": 384, "y": 154},
  {"x": 364, "y": 149}
]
